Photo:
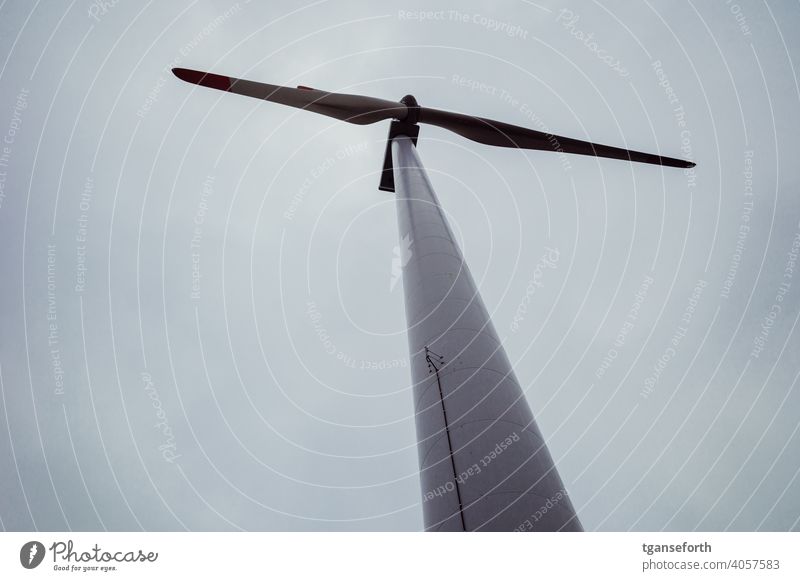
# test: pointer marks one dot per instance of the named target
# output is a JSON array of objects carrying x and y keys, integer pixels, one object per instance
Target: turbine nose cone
[
  {"x": 211, "y": 80},
  {"x": 412, "y": 115}
]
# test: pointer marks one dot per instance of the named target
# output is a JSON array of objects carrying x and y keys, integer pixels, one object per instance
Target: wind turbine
[{"x": 484, "y": 464}]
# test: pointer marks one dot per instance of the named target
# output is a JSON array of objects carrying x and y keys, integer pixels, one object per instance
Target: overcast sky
[{"x": 200, "y": 323}]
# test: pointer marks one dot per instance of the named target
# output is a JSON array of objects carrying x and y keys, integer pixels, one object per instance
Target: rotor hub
[{"x": 413, "y": 108}]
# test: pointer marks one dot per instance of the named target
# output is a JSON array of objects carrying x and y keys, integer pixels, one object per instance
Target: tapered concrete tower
[{"x": 484, "y": 465}]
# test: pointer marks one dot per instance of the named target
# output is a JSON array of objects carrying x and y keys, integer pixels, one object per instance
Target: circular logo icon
[{"x": 31, "y": 554}]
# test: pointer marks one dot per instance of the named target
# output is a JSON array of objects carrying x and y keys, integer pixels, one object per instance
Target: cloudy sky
[{"x": 201, "y": 327}]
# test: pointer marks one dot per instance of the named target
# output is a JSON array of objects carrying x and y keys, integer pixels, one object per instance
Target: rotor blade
[
  {"x": 351, "y": 108},
  {"x": 507, "y": 135}
]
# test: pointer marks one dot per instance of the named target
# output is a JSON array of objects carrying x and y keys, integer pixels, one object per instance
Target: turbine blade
[
  {"x": 506, "y": 135},
  {"x": 351, "y": 108}
]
